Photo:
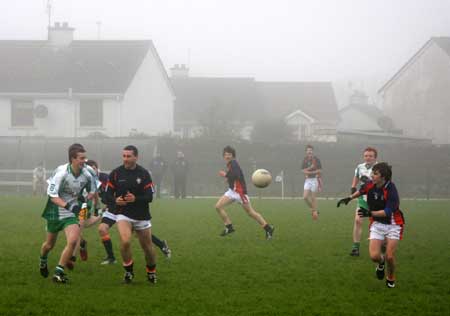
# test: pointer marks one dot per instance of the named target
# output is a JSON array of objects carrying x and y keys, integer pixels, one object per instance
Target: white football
[{"x": 261, "y": 178}]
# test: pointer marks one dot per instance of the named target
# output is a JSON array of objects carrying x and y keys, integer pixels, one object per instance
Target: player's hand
[
  {"x": 344, "y": 201},
  {"x": 73, "y": 207},
  {"x": 120, "y": 201},
  {"x": 130, "y": 197},
  {"x": 362, "y": 212},
  {"x": 353, "y": 190},
  {"x": 222, "y": 173}
]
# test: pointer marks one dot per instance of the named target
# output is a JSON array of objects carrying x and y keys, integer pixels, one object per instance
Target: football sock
[
  {"x": 43, "y": 259},
  {"x": 355, "y": 245},
  {"x": 59, "y": 269},
  {"x": 128, "y": 266},
  {"x": 73, "y": 258},
  {"x": 150, "y": 268},
  {"x": 229, "y": 226},
  {"x": 267, "y": 228},
  {"x": 107, "y": 243},
  {"x": 157, "y": 242},
  {"x": 82, "y": 243}
]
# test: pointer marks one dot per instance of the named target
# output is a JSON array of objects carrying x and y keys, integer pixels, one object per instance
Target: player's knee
[{"x": 48, "y": 246}]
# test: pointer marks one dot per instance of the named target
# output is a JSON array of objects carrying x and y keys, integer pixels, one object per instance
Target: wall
[{"x": 419, "y": 99}]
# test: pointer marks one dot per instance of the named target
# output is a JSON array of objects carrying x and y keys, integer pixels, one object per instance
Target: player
[
  {"x": 39, "y": 179},
  {"x": 61, "y": 211},
  {"x": 386, "y": 219},
  {"x": 129, "y": 192},
  {"x": 312, "y": 169},
  {"x": 237, "y": 191},
  {"x": 362, "y": 175}
]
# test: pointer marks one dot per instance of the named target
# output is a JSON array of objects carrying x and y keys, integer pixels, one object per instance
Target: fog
[{"x": 359, "y": 41}]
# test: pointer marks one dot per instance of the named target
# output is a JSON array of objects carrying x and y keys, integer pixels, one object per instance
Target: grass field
[{"x": 304, "y": 270}]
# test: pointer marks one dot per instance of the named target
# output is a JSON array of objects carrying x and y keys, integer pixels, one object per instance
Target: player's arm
[
  {"x": 147, "y": 191},
  {"x": 53, "y": 193},
  {"x": 233, "y": 173},
  {"x": 111, "y": 188},
  {"x": 392, "y": 204}
]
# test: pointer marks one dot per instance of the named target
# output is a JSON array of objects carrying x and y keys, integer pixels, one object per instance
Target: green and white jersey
[
  {"x": 65, "y": 185},
  {"x": 363, "y": 170}
]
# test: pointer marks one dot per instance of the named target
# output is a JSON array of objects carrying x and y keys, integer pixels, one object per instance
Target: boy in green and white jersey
[
  {"x": 61, "y": 211},
  {"x": 363, "y": 174}
]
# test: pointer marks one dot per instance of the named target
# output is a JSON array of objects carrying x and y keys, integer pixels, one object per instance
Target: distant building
[
  {"x": 71, "y": 88},
  {"x": 417, "y": 97},
  {"x": 308, "y": 107}
]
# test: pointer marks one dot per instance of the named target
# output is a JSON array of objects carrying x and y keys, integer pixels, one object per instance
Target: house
[
  {"x": 310, "y": 108},
  {"x": 208, "y": 105},
  {"x": 417, "y": 97},
  {"x": 76, "y": 88}
]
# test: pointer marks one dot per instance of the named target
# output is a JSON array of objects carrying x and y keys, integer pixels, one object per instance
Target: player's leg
[
  {"x": 376, "y": 241},
  {"x": 162, "y": 244},
  {"x": 314, "y": 211},
  {"x": 391, "y": 247},
  {"x": 124, "y": 228},
  {"x": 220, "y": 208},
  {"x": 47, "y": 246},
  {"x": 103, "y": 231},
  {"x": 145, "y": 239},
  {"x": 72, "y": 232},
  {"x": 246, "y": 205},
  {"x": 357, "y": 232}
]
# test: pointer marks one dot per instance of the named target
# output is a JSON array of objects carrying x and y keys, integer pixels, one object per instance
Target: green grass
[{"x": 304, "y": 270}]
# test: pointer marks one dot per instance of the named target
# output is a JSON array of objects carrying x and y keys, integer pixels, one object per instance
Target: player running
[
  {"x": 237, "y": 192},
  {"x": 363, "y": 174},
  {"x": 62, "y": 209},
  {"x": 386, "y": 219},
  {"x": 129, "y": 192},
  {"x": 312, "y": 169}
]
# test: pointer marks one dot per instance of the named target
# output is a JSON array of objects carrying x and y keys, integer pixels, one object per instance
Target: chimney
[
  {"x": 179, "y": 71},
  {"x": 60, "y": 35}
]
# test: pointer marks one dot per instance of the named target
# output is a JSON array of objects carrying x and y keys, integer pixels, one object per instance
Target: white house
[
  {"x": 73, "y": 88},
  {"x": 417, "y": 97}
]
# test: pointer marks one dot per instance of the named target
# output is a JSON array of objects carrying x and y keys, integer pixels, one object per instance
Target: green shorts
[
  {"x": 362, "y": 203},
  {"x": 59, "y": 225}
]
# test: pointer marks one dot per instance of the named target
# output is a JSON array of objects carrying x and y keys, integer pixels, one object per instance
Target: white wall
[
  {"x": 418, "y": 100},
  {"x": 147, "y": 106}
]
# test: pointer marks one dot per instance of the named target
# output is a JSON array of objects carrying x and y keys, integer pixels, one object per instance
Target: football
[{"x": 261, "y": 178}]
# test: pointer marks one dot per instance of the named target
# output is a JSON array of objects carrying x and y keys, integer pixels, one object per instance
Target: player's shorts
[
  {"x": 55, "y": 226},
  {"x": 380, "y": 231},
  {"x": 362, "y": 202},
  {"x": 311, "y": 184},
  {"x": 109, "y": 218},
  {"x": 237, "y": 197},
  {"x": 135, "y": 224}
]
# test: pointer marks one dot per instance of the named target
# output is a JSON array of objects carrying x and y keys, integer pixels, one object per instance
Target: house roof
[
  {"x": 316, "y": 99},
  {"x": 371, "y": 111},
  {"x": 226, "y": 97},
  {"x": 83, "y": 66},
  {"x": 442, "y": 42}
]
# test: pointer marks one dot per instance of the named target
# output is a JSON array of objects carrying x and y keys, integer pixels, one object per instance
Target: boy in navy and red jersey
[
  {"x": 237, "y": 192},
  {"x": 386, "y": 219}
]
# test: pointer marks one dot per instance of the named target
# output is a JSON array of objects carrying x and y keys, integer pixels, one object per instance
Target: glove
[
  {"x": 362, "y": 212},
  {"x": 353, "y": 190},
  {"x": 73, "y": 207},
  {"x": 344, "y": 201}
]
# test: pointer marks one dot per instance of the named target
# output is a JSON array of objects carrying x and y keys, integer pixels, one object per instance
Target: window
[
  {"x": 22, "y": 113},
  {"x": 91, "y": 113}
]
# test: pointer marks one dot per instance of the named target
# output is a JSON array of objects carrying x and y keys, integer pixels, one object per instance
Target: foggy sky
[{"x": 363, "y": 41}]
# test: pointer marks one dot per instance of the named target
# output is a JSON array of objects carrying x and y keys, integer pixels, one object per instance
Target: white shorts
[
  {"x": 234, "y": 196},
  {"x": 136, "y": 224},
  {"x": 311, "y": 184},
  {"x": 381, "y": 231},
  {"x": 110, "y": 215}
]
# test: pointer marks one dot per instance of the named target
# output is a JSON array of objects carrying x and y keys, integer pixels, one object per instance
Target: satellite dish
[{"x": 41, "y": 111}]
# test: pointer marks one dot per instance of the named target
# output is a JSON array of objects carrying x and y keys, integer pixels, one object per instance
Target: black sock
[
  {"x": 229, "y": 226},
  {"x": 267, "y": 228},
  {"x": 157, "y": 242},
  {"x": 129, "y": 268},
  {"x": 108, "y": 247},
  {"x": 73, "y": 258},
  {"x": 82, "y": 243}
]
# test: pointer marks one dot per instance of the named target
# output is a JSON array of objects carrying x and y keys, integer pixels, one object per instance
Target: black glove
[
  {"x": 362, "y": 212},
  {"x": 353, "y": 190},
  {"x": 344, "y": 200},
  {"x": 73, "y": 207}
]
